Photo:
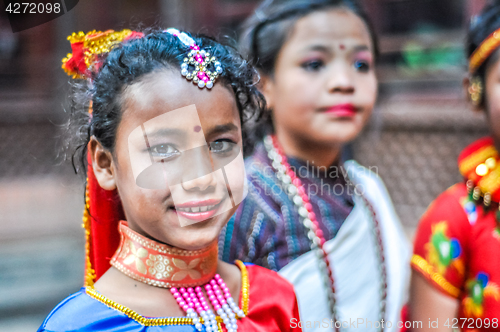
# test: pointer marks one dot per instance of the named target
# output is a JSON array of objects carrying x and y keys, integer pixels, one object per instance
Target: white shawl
[{"x": 353, "y": 257}]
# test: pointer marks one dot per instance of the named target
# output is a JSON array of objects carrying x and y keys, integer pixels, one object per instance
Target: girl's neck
[
  {"x": 143, "y": 271},
  {"x": 161, "y": 265},
  {"x": 323, "y": 155}
]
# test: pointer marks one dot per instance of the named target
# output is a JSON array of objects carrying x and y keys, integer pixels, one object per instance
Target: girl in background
[
  {"x": 158, "y": 147},
  {"x": 456, "y": 261},
  {"x": 324, "y": 223}
]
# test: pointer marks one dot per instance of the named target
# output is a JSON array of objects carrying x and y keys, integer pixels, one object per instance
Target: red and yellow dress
[{"x": 457, "y": 246}]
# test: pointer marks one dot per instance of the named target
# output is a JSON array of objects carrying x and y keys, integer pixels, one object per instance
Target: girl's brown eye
[
  {"x": 164, "y": 151},
  {"x": 221, "y": 146}
]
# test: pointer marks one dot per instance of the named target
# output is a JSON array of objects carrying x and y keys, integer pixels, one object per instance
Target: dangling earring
[{"x": 476, "y": 91}]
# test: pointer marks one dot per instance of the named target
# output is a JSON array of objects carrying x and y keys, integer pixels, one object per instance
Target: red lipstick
[{"x": 342, "y": 110}]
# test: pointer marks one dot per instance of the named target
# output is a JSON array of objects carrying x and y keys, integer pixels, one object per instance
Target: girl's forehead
[
  {"x": 329, "y": 26},
  {"x": 165, "y": 91}
]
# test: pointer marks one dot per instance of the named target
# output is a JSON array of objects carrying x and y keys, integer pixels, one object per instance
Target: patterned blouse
[{"x": 266, "y": 229}]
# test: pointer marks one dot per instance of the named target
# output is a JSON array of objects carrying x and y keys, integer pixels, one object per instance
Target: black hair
[
  {"x": 133, "y": 59},
  {"x": 482, "y": 26},
  {"x": 267, "y": 30}
]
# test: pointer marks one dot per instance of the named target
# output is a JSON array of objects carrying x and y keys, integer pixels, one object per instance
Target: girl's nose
[
  {"x": 340, "y": 80},
  {"x": 201, "y": 183},
  {"x": 199, "y": 173}
]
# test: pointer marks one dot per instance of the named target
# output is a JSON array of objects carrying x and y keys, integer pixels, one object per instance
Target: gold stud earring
[{"x": 476, "y": 91}]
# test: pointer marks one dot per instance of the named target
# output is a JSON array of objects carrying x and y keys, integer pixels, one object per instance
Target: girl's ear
[
  {"x": 266, "y": 86},
  {"x": 103, "y": 165},
  {"x": 472, "y": 91}
]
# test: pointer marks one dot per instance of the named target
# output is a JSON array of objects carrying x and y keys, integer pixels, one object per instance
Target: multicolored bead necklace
[
  {"x": 293, "y": 186},
  {"x": 193, "y": 302}
]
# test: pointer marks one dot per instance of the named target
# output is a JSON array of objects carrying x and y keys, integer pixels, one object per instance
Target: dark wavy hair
[
  {"x": 266, "y": 31},
  {"x": 131, "y": 60},
  {"x": 480, "y": 28}
]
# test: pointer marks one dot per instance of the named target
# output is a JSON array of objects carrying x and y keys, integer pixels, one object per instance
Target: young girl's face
[
  {"x": 324, "y": 86},
  {"x": 184, "y": 134},
  {"x": 492, "y": 91}
]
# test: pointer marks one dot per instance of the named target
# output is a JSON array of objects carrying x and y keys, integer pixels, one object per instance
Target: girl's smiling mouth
[{"x": 198, "y": 210}]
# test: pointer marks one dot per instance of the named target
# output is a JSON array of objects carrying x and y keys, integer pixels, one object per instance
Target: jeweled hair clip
[{"x": 199, "y": 65}]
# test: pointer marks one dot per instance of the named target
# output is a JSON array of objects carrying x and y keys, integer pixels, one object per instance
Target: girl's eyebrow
[
  {"x": 316, "y": 47},
  {"x": 167, "y": 132},
  {"x": 221, "y": 129},
  {"x": 319, "y": 47},
  {"x": 328, "y": 49},
  {"x": 360, "y": 48}
]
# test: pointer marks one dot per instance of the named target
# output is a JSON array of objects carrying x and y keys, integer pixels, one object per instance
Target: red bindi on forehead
[
  {"x": 196, "y": 129},
  {"x": 342, "y": 46}
]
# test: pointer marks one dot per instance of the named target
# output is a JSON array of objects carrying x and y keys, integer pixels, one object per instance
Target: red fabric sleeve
[
  {"x": 441, "y": 242},
  {"x": 404, "y": 318},
  {"x": 272, "y": 302}
]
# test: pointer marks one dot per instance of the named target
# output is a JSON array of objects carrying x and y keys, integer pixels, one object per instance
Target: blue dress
[
  {"x": 90, "y": 314},
  {"x": 267, "y": 299}
]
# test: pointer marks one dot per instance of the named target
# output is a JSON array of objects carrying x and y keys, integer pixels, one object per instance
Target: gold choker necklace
[{"x": 161, "y": 265}]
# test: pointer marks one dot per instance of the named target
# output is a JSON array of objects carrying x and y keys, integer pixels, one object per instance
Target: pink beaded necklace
[
  {"x": 293, "y": 186},
  {"x": 194, "y": 304},
  {"x": 184, "y": 272}
]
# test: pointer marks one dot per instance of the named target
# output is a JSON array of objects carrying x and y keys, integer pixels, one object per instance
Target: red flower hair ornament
[{"x": 88, "y": 47}]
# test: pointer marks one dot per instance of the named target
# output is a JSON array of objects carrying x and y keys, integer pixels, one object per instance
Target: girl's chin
[
  {"x": 195, "y": 236},
  {"x": 188, "y": 243},
  {"x": 344, "y": 131},
  {"x": 340, "y": 136},
  {"x": 188, "y": 238}
]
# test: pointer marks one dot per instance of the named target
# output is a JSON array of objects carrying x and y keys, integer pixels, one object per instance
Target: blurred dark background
[{"x": 420, "y": 125}]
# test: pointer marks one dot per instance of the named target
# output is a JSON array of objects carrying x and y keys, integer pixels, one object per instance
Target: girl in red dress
[
  {"x": 165, "y": 155},
  {"x": 456, "y": 261}
]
